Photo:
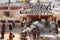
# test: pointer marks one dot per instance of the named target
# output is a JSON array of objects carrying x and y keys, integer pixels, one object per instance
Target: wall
[{"x": 11, "y": 13}]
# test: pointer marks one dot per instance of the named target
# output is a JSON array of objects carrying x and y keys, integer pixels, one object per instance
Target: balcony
[{"x": 13, "y": 5}]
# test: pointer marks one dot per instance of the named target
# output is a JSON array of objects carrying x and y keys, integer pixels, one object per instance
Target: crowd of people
[
  {"x": 37, "y": 27},
  {"x": 37, "y": 8},
  {"x": 3, "y": 30},
  {"x": 33, "y": 29}
]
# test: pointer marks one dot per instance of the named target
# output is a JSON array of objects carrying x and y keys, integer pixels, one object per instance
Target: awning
[{"x": 41, "y": 16}]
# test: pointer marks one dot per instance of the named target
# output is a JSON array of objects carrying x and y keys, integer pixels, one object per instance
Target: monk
[{"x": 11, "y": 36}]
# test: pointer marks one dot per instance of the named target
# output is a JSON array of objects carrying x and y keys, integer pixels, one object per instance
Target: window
[
  {"x": 10, "y": 21},
  {"x": 7, "y": 13},
  {"x": 17, "y": 21},
  {"x": 3, "y": 21}
]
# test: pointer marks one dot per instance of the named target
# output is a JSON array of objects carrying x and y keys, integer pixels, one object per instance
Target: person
[
  {"x": 3, "y": 26},
  {"x": 56, "y": 28},
  {"x": 2, "y": 33},
  {"x": 34, "y": 34},
  {"x": 11, "y": 36},
  {"x": 23, "y": 36},
  {"x": 38, "y": 33},
  {"x": 20, "y": 12},
  {"x": 53, "y": 6},
  {"x": 13, "y": 24},
  {"x": 10, "y": 27}
]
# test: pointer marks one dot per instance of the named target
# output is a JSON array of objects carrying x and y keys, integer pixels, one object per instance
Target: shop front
[{"x": 39, "y": 17}]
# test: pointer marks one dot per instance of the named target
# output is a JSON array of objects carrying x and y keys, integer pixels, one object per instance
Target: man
[
  {"x": 2, "y": 33},
  {"x": 11, "y": 36},
  {"x": 56, "y": 28},
  {"x": 3, "y": 26},
  {"x": 38, "y": 33},
  {"x": 10, "y": 27}
]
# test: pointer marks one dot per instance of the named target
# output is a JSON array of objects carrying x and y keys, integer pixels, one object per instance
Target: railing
[
  {"x": 4, "y": 5},
  {"x": 10, "y": 4}
]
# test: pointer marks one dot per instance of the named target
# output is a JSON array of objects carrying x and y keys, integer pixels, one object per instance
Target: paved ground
[{"x": 17, "y": 36}]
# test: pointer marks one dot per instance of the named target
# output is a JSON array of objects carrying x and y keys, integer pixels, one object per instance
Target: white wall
[{"x": 2, "y": 1}]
